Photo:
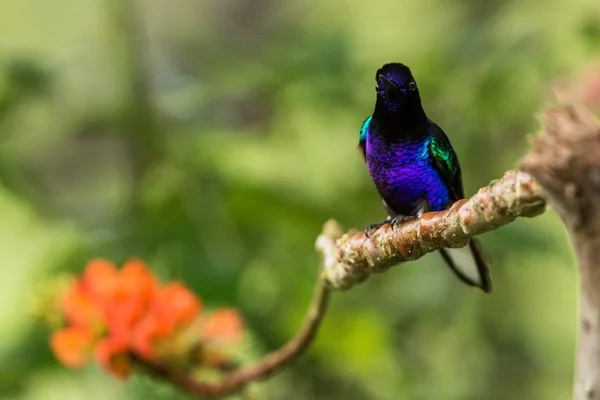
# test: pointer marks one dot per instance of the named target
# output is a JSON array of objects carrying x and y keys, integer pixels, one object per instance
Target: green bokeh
[{"x": 213, "y": 139}]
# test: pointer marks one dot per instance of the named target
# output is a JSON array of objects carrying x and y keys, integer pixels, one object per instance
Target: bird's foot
[
  {"x": 372, "y": 228},
  {"x": 393, "y": 221},
  {"x": 398, "y": 220}
]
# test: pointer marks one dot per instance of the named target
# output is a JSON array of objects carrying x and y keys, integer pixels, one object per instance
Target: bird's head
[{"x": 395, "y": 84}]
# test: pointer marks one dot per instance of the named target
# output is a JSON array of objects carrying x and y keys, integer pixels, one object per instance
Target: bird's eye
[{"x": 412, "y": 85}]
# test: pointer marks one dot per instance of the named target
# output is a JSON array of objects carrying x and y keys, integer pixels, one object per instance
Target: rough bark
[
  {"x": 349, "y": 258},
  {"x": 353, "y": 257},
  {"x": 565, "y": 159}
]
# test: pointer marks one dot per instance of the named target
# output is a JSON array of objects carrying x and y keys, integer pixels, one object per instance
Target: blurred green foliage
[{"x": 213, "y": 138}]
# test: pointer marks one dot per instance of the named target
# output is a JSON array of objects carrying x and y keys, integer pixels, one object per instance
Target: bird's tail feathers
[{"x": 471, "y": 268}]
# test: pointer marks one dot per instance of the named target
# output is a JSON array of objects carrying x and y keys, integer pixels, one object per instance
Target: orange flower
[
  {"x": 136, "y": 281},
  {"x": 176, "y": 306},
  {"x": 135, "y": 286},
  {"x": 119, "y": 314},
  {"x": 219, "y": 332},
  {"x": 80, "y": 310},
  {"x": 99, "y": 280},
  {"x": 224, "y": 325},
  {"x": 112, "y": 355},
  {"x": 72, "y": 346},
  {"x": 147, "y": 332},
  {"x": 86, "y": 303},
  {"x": 173, "y": 309}
]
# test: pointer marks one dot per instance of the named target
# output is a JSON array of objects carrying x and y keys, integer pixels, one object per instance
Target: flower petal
[
  {"x": 175, "y": 306},
  {"x": 72, "y": 346},
  {"x": 111, "y": 354},
  {"x": 144, "y": 337},
  {"x": 80, "y": 310},
  {"x": 223, "y": 325},
  {"x": 99, "y": 279},
  {"x": 136, "y": 280}
]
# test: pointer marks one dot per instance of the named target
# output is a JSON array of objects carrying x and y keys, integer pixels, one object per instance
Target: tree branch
[
  {"x": 353, "y": 257},
  {"x": 349, "y": 258},
  {"x": 565, "y": 159},
  {"x": 271, "y": 364}
]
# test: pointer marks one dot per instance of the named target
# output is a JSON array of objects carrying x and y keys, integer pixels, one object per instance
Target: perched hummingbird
[{"x": 413, "y": 164}]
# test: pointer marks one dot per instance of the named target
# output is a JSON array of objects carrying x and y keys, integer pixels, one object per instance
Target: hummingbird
[{"x": 413, "y": 165}]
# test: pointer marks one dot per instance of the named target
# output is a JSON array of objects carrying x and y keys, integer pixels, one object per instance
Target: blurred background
[{"x": 214, "y": 138}]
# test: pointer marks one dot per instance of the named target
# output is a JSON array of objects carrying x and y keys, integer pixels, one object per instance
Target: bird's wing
[
  {"x": 444, "y": 160},
  {"x": 362, "y": 137},
  {"x": 470, "y": 268}
]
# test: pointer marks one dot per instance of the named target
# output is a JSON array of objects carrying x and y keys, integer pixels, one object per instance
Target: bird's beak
[{"x": 386, "y": 83}]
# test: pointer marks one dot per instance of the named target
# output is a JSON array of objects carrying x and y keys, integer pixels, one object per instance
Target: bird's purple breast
[{"x": 404, "y": 175}]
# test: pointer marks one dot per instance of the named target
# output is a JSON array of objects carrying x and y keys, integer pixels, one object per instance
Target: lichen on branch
[{"x": 350, "y": 258}]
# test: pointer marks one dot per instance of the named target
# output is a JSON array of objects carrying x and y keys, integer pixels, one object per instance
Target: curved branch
[
  {"x": 354, "y": 256},
  {"x": 565, "y": 160},
  {"x": 350, "y": 258},
  {"x": 271, "y": 364}
]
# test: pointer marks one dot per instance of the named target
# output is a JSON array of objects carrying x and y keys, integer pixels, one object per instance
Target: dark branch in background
[
  {"x": 271, "y": 364},
  {"x": 565, "y": 159},
  {"x": 140, "y": 120},
  {"x": 353, "y": 257}
]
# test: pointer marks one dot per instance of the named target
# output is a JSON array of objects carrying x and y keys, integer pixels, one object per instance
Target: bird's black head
[{"x": 395, "y": 84}]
